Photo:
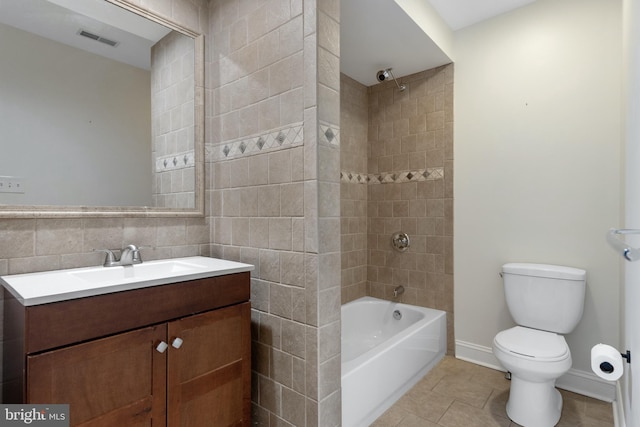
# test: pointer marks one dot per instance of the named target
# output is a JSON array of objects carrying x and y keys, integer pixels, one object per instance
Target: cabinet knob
[
  {"x": 177, "y": 343},
  {"x": 162, "y": 347}
]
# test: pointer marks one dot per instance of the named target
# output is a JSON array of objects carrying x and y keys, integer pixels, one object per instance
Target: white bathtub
[{"x": 382, "y": 357}]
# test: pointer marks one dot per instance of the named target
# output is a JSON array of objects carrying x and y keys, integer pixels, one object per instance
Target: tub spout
[{"x": 399, "y": 290}]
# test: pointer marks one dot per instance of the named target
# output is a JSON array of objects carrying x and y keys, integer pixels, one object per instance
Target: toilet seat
[{"x": 532, "y": 344}]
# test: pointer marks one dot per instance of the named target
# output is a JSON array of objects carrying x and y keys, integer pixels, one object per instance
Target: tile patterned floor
[{"x": 461, "y": 394}]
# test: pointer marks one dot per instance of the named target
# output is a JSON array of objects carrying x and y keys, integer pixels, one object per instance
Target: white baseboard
[{"x": 581, "y": 382}]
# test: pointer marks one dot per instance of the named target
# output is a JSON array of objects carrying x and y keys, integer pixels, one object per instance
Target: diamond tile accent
[
  {"x": 329, "y": 134},
  {"x": 275, "y": 139},
  {"x": 175, "y": 161},
  {"x": 392, "y": 177}
]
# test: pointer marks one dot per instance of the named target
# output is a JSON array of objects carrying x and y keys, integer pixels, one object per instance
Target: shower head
[
  {"x": 386, "y": 74},
  {"x": 383, "y": 75}
]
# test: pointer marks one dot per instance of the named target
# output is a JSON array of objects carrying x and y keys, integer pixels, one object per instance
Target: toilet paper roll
[{"x": 606, "y": 362}]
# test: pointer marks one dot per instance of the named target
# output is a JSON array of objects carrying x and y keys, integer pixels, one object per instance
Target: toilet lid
[{"x": 532, "y": 343}]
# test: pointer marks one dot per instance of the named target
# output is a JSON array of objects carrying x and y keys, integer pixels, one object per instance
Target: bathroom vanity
[{"x": 171, "y": 351}]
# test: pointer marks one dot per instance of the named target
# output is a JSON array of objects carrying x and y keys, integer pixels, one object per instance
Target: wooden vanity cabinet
[{"x": 125, "y": 377}]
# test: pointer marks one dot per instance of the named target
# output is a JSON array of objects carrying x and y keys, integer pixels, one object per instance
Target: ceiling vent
[{"x": 97, "y": 38}]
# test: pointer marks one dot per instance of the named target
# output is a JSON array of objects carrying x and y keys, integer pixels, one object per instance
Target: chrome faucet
[
  {"x": 128, "y": 256},
  {"x": 399, "y": 290}
]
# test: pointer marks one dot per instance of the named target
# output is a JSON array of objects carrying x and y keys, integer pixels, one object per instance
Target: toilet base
[{"x": 534, "y": 404}]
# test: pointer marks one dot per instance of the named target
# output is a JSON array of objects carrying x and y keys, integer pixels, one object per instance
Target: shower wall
[
  {"x": 354, "y": 107},
  {"x": 409, "y": 183}
]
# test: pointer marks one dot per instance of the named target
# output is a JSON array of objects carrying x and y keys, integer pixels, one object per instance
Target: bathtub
[{"x": 383, "y": 357}]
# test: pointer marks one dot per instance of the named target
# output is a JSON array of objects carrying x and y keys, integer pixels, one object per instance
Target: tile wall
[
  {"x": 354, "y": 119},
  {"x": 408, "y": 179},
  {"x": 273, "y": 155},
  {"x": 172, "y": 121}
]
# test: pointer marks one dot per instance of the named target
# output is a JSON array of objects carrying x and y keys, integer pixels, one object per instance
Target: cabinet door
[
  {"x": 209, "y": 375},
  {"x": 114, "y": 381}
]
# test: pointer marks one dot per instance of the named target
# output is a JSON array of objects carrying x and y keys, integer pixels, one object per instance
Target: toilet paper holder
[
  {"x": 626, "y": 356},
  {"x": 608, "y": 367}
]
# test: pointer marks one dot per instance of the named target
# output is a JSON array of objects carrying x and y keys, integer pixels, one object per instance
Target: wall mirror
[{"x": 101, "y": 111}]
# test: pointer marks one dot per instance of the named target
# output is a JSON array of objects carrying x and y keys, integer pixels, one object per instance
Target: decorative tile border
[
  {"x": 329, "y": 134},
  {"x": 428, "y": 174},
  {"x": 175, "y": 161},
  {"x": 275, "y": 139}
]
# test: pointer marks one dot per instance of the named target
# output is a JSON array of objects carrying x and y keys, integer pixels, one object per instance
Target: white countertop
[{"x": 62, "y": 285}]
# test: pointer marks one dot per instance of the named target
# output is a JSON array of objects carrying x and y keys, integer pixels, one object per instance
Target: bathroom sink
[
  {"x": 61, "y": 285},
  {"x": 138, "y": 271}
]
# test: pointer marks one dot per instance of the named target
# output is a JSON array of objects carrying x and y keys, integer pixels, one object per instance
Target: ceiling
[
  {"x": 385, "y": 36},
  {"x": 61, "y": 20}
]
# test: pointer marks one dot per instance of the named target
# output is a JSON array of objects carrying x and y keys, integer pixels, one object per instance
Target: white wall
[
  {"x": 630, "y": 297},
  {"x": 537, "y": 162},
  {"x": 75, "y": 126}
]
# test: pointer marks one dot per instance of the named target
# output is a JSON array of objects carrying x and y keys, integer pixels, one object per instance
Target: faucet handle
[
  {"x": 109, "y": 259},
  {"x": 136, "y": 257}
]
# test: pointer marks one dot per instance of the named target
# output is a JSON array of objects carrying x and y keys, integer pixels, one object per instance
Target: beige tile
[
  {"x": 18, "y": 238},
  {"x": 292, "y": 199},
  {"x": 281, "y": 364},
  {"x": 280, "y": 300},
  {"x": 269, "y": 201},
  {"x": 328, "y": 306},
  {"x": 34, "y": 264},
  {"x": 280, "y": 233},
  {"x": 293, "y": 407},
  {"x": 293, "y": 338},
  {"x": 425, "y": 404},
  {"x": 328, "y": 33},
  {"x": 240, "y": 232},
  {"x": 292, "y": 266},
  {"x": 391, "y": 418},
  {"x": 328, "y": 69},
  {"x": 330, "y": 408},
  {"x": 415, "y": 421},
  {"x": 436, "y": 389},
  {"x": 599, "y": 410},
  {"x": 291, "y": 107},
  {"x": 107, "y": 232},
  {"x": 259, "y": 169},
  {"x": 329, "y": 341},
  {"x": 461, "y": 414},
  {"x": 280, "y": 167},
  {"x": 329, "y": 377},
  {"x": 269, "y": 265},
  {"x": 259, "y": 232}
]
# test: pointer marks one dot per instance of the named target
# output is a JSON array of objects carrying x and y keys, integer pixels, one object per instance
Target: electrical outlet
[{"x": 11, "y": 184}]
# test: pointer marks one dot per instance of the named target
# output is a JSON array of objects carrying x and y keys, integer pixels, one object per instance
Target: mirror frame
[{"x": 49, "y": 211}]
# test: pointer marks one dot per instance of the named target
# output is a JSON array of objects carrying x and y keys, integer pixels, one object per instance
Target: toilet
[{"x": 545, "y": 301}]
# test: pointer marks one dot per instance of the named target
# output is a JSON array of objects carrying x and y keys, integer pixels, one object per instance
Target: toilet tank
[{"x": 546, "y": 297}]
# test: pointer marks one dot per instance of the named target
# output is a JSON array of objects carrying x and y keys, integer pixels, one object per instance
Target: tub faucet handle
[
  {"x": 400, "y": 241},
  {"x": 399, "y": 290}
]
